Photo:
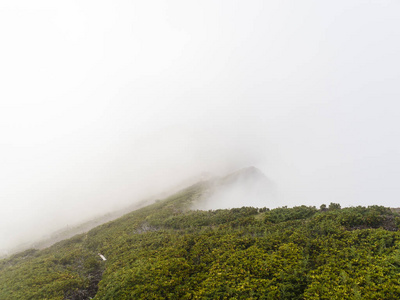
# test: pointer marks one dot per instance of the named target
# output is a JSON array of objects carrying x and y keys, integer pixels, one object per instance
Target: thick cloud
[{"x": 106, "y": 102}]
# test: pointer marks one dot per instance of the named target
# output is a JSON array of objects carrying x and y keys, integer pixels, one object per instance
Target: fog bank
[{"x": 104, "y": 103}]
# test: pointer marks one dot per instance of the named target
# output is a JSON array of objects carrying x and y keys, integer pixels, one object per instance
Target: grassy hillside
[{"x": 167, "y": 251}]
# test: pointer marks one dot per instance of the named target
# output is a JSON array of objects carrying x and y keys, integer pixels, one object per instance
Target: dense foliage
[{"x": 166, "y": 251}]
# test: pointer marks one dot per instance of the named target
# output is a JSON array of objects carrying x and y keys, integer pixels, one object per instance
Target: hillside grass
[{"x": 167, "y": 251}]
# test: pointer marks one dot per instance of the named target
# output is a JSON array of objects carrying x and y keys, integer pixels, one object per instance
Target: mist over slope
[{"x": 245, "y": 187}]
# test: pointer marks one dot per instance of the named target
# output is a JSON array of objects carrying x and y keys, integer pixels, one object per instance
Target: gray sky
[{"x": 105, "y": 102}]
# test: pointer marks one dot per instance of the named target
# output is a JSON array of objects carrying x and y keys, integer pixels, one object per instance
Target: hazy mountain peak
[
  {"x": 249, "y": 173},
  {"x": 245, "y": 187}
]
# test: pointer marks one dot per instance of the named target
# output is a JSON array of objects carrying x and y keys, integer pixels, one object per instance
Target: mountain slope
[{"x": 168, "y": 251}]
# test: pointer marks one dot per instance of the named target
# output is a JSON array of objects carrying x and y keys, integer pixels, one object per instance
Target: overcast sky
[{"x": 105, "y": 102}]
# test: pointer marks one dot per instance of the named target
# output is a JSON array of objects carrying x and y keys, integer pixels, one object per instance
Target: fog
[
  {"x": 247, "y": 186},
  {"x": 104, "y": 103}
]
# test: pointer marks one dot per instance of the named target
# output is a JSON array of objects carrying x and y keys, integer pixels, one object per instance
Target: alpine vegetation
[{"x": 168, "y": 250}]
